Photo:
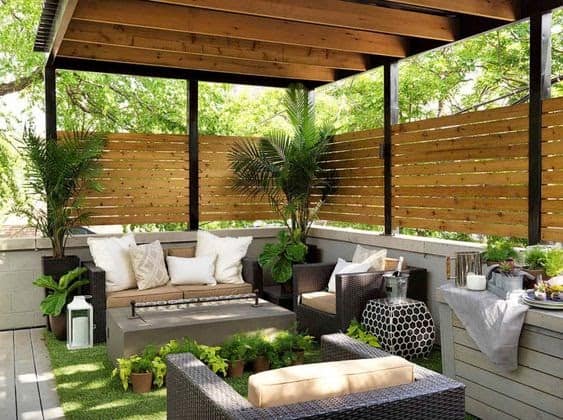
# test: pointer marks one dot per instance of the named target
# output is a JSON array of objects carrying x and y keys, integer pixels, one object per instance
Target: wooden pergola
[{"x": 276, "y": 42}]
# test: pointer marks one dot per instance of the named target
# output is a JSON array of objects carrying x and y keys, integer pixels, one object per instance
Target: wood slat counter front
[{"x": 533, "y": 391}]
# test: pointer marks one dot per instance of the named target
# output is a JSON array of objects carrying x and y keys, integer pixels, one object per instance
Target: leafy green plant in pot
[
  {"x": 499, "y": 250},
  {"x": 60, "y": 295},
  {"x": 237, "y": 351},
  {"x": 554, "y": 262},
  {"x": 535, "y": 258},
  {"x": 58, "y": 173},
  {"x": 291, "y": 347},
  {"x": 136, "y": 370},
  {"x": 261, "y": 352},
  {"x": 286, "y": 169}
]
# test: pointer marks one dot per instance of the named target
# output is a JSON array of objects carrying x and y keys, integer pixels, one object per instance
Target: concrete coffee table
[{"x": 208, "y": 323}]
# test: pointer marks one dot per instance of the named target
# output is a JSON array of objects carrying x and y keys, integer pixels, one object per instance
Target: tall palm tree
[
  {"x": 57, "y": 175},
  {"x": 286, "y": 167}
]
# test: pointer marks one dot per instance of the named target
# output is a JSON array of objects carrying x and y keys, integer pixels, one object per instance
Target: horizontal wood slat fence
[
  {"x": 464, "y": 173},
  {"x": 145, "y": 179},
  {"x": 359, "y": 169},
  {"x": 217, "y": 199},
  {"x": 552, "y": 157}
]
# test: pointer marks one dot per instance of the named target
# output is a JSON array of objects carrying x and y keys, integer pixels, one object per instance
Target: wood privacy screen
[
  {"x": 552, "y": 183},
  {"x": 145, "y": 179},
  {"x": 464, "y": 173},
  {"x": 359, "y": 169},
  {"x": 217, "y": 199}
]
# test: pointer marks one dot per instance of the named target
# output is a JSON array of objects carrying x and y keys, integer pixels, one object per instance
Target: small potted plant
[
  {"x": 301, "y": 344},
  {"x": 499, "y": 251},
  {"x": 553, "y": 262},
  {"x": 291, "y": 347},
  {"x": 535, "y": 259},
  {"x": 60, "y": 294},
  {"x": 261, "y": 352},
  {"x": 236, "y": 351},
  {"x": 136, "y": 370}
]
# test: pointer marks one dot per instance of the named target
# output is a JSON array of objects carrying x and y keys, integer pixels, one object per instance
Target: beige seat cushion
[
  {"x": 182, "y": 252},
  {"x": 124, "y": 297},
  {"x": 318, "y": 381},
  {"x": 321, "y": 301},
  {"x": 203, "y": 290}
]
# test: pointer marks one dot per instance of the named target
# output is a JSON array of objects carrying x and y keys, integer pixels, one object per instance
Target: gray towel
[{"x": 494, "y": 324}]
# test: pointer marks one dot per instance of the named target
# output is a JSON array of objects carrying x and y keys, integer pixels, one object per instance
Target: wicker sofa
[
  {"x": 195, "y": 392},
  {"x": 319, "y": 317},
  {"x": 101, "y": 300}
]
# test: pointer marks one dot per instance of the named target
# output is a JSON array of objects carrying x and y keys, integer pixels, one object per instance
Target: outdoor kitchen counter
[{"x": 534, "y": 390}]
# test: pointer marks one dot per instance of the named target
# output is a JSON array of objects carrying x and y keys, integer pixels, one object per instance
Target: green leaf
[
  {"x": 77, "y": 284},
  {"x": 46, "y": 282},
  {"x": 268, "y": 256},
  {"x": 53, "y": 304},
  {"x": 282, "y": 270},
  {"x": 296, "y": 252},
  {"x": 69, "y": 277}
]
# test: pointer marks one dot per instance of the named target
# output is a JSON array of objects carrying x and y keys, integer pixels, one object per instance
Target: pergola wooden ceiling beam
[
  {"x": 338, "y": 13},
  {"x": 155, "y": 39},
  {"x": 100, "y": 52},
  {"x": 214, "y": 23},
  {"x": 495, "y": 9}
]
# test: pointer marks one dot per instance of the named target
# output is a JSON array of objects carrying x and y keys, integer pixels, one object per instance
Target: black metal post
[
  {"x": 540, "y": 86},
  {"x": 193, "y": 132},
  {"x": 390, "y": 117},
  {"x": 50, "y": 102}
]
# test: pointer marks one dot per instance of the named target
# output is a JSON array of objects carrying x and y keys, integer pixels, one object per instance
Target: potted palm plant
[
  {"x": 60, "y": 294},
  {"x": 58, "y": 172},
  {"x": 286, "y": 168}
]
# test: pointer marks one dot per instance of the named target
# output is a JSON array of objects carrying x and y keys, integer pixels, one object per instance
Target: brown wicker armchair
[{"x": 353, "y": 291}]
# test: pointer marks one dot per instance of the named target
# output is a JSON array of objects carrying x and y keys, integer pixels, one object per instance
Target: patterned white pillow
[{"x": 148, "y": 265}]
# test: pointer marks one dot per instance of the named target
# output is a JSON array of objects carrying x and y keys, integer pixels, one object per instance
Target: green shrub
[
  {"x": 554, "y": 262},
  {"x": 500, "y": 250},
  {"x": 535, "y": 258},
  {"x": 358, "y": 332}
]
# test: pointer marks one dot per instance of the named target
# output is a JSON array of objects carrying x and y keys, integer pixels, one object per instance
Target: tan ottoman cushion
[
  {"x": 183, "y": 252},
  {"x": 220, "y": 289},
  {"x": 124, "y": 297},
  {"x": 321, "y": 301},
  {"x": 318, "y": 381}
]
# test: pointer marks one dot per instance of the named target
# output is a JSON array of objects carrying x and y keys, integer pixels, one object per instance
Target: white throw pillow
[
  {"x": 197, "y": 270},
  {"x": 229, "y": 252},
  {"x": 344, "y": 267},
  {"x": 375, "y": 257},
  {"x": 112, "y": 256},
  {"x": 148, "y": 265}
]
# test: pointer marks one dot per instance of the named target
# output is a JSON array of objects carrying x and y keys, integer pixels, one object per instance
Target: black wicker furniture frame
[
  {"x": 353, "y": 291},
  {"x": 195, "y": 392},
  {"x": 251, "y": 273}
]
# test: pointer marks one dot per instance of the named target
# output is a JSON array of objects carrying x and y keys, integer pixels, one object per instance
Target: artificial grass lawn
[{"x": 87, "y": 391}]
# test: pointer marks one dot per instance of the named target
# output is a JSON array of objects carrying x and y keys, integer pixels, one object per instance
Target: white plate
[{"x": 528, "y": 298}]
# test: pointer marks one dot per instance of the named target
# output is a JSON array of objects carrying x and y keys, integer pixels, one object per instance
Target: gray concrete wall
[
  {"x": 20, "y": 265},
  {"x": 20, "y": 261}
]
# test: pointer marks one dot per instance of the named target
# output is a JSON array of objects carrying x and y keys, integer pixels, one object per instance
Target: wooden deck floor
[{"x": 27, "y": 384}]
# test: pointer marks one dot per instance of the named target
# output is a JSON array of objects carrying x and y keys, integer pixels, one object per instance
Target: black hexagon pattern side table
[{"x": 403, "y": 328}]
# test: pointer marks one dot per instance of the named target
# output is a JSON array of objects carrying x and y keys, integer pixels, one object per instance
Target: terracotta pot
[
  {"x": 58, "y": 326},
  {"x": 142, "y": 382},
  {"x": 235, "y": 369},
  {"x": 299, "y": 357},
  {"x": 261, "y": 363}
]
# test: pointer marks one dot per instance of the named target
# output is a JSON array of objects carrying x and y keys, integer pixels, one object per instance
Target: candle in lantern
[
  {"x": 476, "y": 281},
  {"x": 80, "y": 331}
]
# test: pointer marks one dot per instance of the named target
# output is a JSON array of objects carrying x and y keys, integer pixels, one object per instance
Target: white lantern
[{"x": 80, "y": 324}]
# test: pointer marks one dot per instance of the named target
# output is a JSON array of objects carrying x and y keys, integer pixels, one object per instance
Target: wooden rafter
[
  {"x": 196, "y": 62},
  {"x": 155, "y": 39},
  {"x": 495, "y": 9},
  {"x": 214, "y": 23},
  {"x": 338, "y": 13}
]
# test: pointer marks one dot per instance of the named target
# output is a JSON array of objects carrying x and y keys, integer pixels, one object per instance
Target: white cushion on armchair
[{"x": 345, "y": 267}]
